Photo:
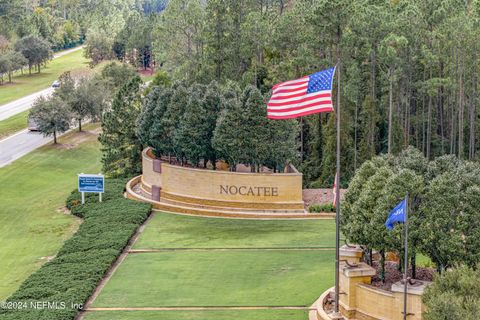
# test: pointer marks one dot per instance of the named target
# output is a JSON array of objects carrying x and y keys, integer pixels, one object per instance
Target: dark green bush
[
  {"x": 319, "y": 208},
  {"x": 73, "y": 274}
]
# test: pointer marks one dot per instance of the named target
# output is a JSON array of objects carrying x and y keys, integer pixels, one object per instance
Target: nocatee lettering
[{"x": 249, "y": 191}]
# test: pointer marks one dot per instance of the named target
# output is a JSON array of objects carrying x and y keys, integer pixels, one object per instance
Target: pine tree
[
  {"x": 192, "y": 134},
  {"x": 150, "y": 128},
  {"x": 120, "y": 145}
]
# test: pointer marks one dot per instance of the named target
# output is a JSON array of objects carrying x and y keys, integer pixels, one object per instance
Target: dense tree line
[
  {"x": 202, "y": 124},
  {"x": 409, "y": 68},
  {"x": 30, "y": 51},
  {"x": 65, "y": 23}
]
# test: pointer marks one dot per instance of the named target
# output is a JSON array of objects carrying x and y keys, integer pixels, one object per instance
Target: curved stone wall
[
  {"x": 274, "y": 193},
  {"x": 254, "y": 191}
]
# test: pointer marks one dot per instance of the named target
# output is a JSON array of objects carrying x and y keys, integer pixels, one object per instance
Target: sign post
[{"x": 94, "y": 183}]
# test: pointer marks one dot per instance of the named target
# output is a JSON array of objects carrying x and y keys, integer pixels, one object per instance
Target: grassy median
[
  {"x": 13, "y": 124},
  {"x": 33, "y": 224},
  {"x": 26, "y": 84}
]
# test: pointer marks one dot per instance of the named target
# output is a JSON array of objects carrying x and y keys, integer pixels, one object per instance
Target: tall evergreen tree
[{"x": 120, "y": 145}]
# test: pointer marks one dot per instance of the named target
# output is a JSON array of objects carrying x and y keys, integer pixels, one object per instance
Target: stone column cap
[
  {"x": 417, "y": 288},
  {"x": 361, "y": 270},
  {"x": 351, "y": 251}
]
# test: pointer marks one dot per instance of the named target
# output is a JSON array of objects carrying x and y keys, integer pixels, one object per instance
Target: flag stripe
[
  {"x": 291, "y": 82},
  {"x": 299, "y": 112},
  {"x": 282, "y": 116},
  {"x": 288, "y": 101},
  {"x": 296, "y": 93},
  {"x": 299, "y": 97},
  {"x": 291, "y": 88}
]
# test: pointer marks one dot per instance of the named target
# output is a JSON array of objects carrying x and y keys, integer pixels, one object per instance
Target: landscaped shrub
[
  {"x": 69, "y": 279},
  {"x": 454, "y": 295},
  {"x": 319, "y": 208}
]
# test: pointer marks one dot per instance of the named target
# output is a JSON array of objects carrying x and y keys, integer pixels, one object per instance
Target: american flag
[{"x": 301, "y": 97}]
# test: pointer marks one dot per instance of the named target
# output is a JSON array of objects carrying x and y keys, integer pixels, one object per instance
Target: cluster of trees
[
  {"x": 65, "y": 23},
  {"x": 78, "y": 100},
  {"x": 408, "y": 77},
  {"x": 49, "y": 20},
  {"x": 113, "y": 28},
  {"x": 207, "y": 123},
  {"x": 196, "y": 124},
  {"x": 29, "y": 51},
  {"x": 444, "y": 210}
]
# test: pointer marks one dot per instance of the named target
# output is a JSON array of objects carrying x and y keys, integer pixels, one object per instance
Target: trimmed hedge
[
  {"x": 320, "y": 208},
  {"x": 69, "y": 279}
]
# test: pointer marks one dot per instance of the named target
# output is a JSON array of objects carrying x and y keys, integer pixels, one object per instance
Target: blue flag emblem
[{"x": 397, "y": 215}]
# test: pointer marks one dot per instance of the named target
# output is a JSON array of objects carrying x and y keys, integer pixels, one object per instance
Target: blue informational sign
[{"x": 91, "y": 183}]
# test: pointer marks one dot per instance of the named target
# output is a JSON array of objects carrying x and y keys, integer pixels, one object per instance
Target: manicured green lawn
[
  {"x": 32, "y": 193},
  {"x": 13, "y": 124},
  {"x": 199, "y": 315},
  {"x": 222, "y": 263},
  {"x": 27, "y": 84},
  {"x": 176, "y": 231},
  {"x": 225, "y": 278}
]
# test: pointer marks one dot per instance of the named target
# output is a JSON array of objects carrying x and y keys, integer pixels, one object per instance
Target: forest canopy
[{"x": 409, "y": 69}]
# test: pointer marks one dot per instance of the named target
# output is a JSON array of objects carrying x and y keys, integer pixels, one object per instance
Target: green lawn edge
[{"x": 13, "y": 124}]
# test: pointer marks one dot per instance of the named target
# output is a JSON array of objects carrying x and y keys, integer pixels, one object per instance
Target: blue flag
[{"x": 397, "y": 215}]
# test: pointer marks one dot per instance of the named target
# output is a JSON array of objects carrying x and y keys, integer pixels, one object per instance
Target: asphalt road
[
  {"x": 10, "y": 109},
  {"x": 19, "y": 144}
]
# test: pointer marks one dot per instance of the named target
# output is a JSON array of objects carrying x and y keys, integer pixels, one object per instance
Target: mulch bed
[{"x": 392, "y": 275}]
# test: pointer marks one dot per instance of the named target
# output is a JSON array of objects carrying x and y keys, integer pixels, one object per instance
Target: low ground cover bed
[
  {"x": 393, "y": 275},
  {"x": 60, "y": 287}
]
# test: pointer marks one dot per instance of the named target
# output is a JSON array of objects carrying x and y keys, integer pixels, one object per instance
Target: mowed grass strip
[
  {"x": 26, "y": 84},
  {"x": 177, "y": 231},
  {"x": 199, "y": 315},
  {"x": 245, "y": 278},
  {"x": 13, "y": 124},
  {"x": 32, "y": 193}
]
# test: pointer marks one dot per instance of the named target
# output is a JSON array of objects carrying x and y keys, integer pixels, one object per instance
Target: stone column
[
  {"x": 350, "y": 277},
  {"x": 352, "y": 254},
  {"x": 415, "y": 307}
]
